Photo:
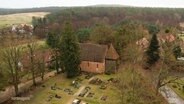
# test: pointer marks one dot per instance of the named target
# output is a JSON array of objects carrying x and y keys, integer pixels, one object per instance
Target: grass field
[{"x": 6, "y": 20}]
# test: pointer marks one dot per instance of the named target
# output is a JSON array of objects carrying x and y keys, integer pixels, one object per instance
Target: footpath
[{"x": 23, "y": 87}]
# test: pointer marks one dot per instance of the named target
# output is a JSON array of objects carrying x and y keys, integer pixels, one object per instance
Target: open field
[{"x": 6, "y": 20}]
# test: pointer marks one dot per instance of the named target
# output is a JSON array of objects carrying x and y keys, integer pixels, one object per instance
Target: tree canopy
[
  {"x": 69, "y": 51},
  {"x": 83, "y": 34},
  {"x": 102, "y": 34},
  {"x": 153, "y": 51}
]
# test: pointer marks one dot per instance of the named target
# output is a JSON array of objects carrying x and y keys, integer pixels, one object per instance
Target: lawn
[
  {"x": 40, "y": 44},
  {"x": 19, "y": 18},
  {"x": 41, "y": 94},
  {"x": 178, "y": 87}
]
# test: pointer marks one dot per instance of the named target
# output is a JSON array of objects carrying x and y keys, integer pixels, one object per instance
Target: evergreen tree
[
  {"x": 53, "y": 40},
  {"x": 69, "y": 50},
  {"x": 153, "y": 51},
  {"x": 153, "y": 29},
  {"x": 177, "y": 51},
  {"x": 83, "y": 34}
]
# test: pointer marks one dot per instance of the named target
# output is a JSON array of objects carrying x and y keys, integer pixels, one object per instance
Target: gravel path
[
  {"x": 78, "y": 92},
  {"x": 171, "y": 96}
]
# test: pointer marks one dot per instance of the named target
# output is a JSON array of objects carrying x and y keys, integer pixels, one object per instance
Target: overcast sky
[{"x": 45, "y": 3}]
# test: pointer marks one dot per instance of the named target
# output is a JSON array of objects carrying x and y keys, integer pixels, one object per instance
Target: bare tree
[
  {"x": 167, "y": 58},
  {"x": 11, "y": 58},
  {"x": 130, "y": 78},
  {"x": 31, "y": 47},
  {"x": 41, "y": 66}
]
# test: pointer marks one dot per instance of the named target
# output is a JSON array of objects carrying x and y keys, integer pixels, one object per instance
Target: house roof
[
  {"x": 143, "y": 43},
  {"x": 111, "y": 53},
  {"x": 167, "y": 38},
  {"x": 97, "y": 53},
  {"x": 93, "y": 52}
]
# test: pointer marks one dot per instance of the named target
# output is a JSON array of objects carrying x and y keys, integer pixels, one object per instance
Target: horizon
[
  {"x": 23, "y": 4},
  {"x": 97, "y": 5}
]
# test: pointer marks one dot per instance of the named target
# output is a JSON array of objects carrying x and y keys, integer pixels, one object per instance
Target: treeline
[
  {"x": 4, "y": 11},
  {"x": 88, "y": 16}
]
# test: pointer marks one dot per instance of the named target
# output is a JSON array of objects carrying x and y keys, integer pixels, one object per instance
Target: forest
[{"x": 86, "y": 16}]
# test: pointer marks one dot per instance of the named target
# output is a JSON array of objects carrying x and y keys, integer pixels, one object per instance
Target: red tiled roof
[{"x": 111, "y": 53}]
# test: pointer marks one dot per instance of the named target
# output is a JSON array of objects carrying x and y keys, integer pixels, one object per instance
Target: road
[{"x": 170, "y": 95}]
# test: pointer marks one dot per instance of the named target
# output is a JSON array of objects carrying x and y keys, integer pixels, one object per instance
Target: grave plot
[
  {"x": 90, "y": 95},
  {"x": 84, "y": 91},
  {"x": 103, "y": 87},
  {"x": 104, "y": 98},
  {"x": 88, "y": 76},
  {"x": 68, "y": 91},
  {"x": 96, "y": 81},
  {"x": 113, "y": 80},
  {"x": 77, "y": 83}
]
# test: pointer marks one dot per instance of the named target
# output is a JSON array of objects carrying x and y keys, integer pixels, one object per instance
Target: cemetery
[{"x": 59, "y": 89}]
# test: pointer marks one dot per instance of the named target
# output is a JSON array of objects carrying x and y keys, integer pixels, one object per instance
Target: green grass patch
[{"x": 178, "y": 87}]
